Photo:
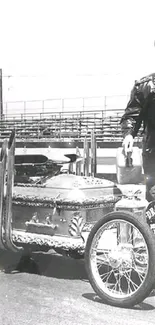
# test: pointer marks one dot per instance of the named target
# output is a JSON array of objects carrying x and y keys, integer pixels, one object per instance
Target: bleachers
[{"x": 65, "y": 125}]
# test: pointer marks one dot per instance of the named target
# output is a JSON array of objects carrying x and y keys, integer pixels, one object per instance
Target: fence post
[
  {"x": 62, "y": 104},
  {"x": 83, "y": 104},
  {"x": 105, "y": 103},
  {"x": 6, "y": 110},
  {"x": 86, "y": 157},
  {"x": 24, "y": 109},
  {"x": 93, "y": 154},
  {"x": 43, "y": 102}
]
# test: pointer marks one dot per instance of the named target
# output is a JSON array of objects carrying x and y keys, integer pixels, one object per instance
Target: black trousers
[{"x": 149, "y": 173}]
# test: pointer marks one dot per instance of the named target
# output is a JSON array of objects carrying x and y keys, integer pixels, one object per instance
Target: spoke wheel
[{"x": 120, "y": 259}]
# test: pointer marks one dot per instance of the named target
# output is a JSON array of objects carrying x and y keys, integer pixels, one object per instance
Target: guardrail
[{"x": 39, "y": 108}]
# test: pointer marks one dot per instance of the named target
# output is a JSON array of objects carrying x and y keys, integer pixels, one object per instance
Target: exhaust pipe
[
  {"x": 3, "y": 159},
  {"x": 8, "y": 201}
]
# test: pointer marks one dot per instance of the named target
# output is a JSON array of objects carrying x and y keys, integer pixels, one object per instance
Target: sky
[{"x": 74, "y": 48}]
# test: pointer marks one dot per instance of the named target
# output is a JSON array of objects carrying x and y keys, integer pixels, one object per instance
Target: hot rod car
[{"x": 76, "y": 215}]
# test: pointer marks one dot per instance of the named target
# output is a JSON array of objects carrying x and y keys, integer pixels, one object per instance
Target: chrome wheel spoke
[
  {"x": 119, "y": 258},
  {"x": 102, "y": 260},
  {"x": 131, "y": 282},
  {"x": 106, "y": 275}
]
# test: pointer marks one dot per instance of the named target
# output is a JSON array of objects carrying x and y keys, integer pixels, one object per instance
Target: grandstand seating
[{"x": 66, "y": 125}]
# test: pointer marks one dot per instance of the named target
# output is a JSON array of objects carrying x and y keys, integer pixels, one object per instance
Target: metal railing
[
  {"x": 62, "y": 126},
  {"x": 39, "y": 108}
]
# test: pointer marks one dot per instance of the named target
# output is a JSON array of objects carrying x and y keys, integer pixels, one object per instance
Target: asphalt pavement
[{"x": 58, "y": 292}]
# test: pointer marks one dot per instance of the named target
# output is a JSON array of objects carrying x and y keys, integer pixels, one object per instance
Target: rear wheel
[{"x": 120, "y": 259}]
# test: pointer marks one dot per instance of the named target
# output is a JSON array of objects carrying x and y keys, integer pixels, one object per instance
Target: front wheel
[{"x": 120, "y": 259}]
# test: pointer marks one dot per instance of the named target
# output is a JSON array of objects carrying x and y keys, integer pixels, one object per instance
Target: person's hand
[{"x": 128, "y": 144}]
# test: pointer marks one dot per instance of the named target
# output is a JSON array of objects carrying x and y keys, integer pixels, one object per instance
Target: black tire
[{"x": 143, "y": 288}]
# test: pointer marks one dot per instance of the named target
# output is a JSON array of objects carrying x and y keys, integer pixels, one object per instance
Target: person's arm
[
  {"x": 132, "y": 111},
  {"x": 131, "y": 120}
]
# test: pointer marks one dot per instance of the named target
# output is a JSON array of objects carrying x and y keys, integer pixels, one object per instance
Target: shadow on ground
[
  {"x": 46, "y": 264},
  {"x": 56, "y": 266},
  {"x": 141, "y": 306}
]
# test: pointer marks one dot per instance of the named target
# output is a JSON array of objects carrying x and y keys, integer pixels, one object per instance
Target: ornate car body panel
[{"x": 62, "y": 211}]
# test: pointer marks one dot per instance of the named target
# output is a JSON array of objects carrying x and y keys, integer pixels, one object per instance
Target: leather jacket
[{"x": 140, "y": 111}]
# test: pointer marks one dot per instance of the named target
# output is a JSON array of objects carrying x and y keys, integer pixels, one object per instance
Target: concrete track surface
[{"x": 58, "y": 292}]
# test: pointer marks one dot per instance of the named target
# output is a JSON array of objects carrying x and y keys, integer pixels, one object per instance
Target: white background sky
[{"x": 68, "y": 48}]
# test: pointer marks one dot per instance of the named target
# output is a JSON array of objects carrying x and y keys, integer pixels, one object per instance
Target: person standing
[{"x": 140, "y": 111}]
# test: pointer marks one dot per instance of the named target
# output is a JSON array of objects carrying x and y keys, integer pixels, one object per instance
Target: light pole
[{"x": 1, "y": 96}]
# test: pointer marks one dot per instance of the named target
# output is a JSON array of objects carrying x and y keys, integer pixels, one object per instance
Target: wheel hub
[{"x": 121, "y": 257}]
